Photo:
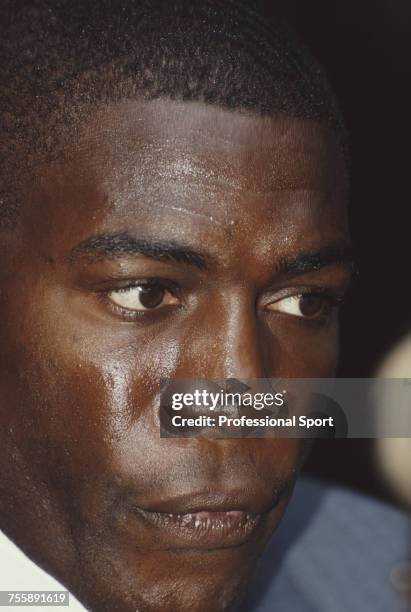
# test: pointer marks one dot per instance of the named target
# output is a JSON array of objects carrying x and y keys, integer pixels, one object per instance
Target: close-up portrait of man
[{"x": 174, "y": 188}]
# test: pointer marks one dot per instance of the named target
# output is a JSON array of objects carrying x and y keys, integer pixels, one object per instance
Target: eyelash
[
  {"x": 143, "y": 314},
  {"x": 334, "y": 298}
]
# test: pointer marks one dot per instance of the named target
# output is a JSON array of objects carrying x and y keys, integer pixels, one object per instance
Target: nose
[{"x": 229, "y": 342}]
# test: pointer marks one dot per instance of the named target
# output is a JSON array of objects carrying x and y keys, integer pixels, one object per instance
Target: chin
[
  {"x": 168, "y": 581},
  {"x": 204, "y": 594}
]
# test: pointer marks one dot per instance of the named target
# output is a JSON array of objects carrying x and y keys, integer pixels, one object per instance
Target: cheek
[
  {"x": 294, "y": 350},
  {"x": 78, "y": 393},
  {"x": 68, "y": 400}
]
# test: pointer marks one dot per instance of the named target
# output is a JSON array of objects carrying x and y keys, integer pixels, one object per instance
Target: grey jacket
[{"x": 335, "y": 551}]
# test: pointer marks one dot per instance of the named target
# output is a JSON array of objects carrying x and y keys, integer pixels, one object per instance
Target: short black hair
[{"x": 59, "y": 58}]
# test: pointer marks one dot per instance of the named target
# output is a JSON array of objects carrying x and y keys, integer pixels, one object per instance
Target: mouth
[
  {"x": 204, "y": 522},
  {"x": 204, "y": 529}
]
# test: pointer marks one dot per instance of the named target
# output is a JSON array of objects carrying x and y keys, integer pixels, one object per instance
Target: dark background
[{"x": 365, "y": 47}]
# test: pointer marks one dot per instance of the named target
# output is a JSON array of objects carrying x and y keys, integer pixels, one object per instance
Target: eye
[
  {"x": 146, "y": 296},
  {"x": 305, "y": 305}
]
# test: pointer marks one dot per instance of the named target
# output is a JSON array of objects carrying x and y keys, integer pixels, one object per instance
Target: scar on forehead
[{"x": 193, "y": 213}]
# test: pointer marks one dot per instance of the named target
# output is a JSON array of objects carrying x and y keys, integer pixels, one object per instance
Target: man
[{"x": 174, "y": 193}]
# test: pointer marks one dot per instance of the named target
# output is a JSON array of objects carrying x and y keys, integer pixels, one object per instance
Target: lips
[
  {"x": 203, "y": 529},
  {"x": 245, "y": 499},
  {"x": 205, "y": 520}
]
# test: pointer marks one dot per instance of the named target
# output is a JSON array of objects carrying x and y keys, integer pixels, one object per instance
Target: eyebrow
[
  {"x": 338, "y": 254},
  {"x": 112, "y": 246}
]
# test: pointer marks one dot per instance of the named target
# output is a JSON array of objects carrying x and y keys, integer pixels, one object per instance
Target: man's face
[{"x": 174, "y": 240}]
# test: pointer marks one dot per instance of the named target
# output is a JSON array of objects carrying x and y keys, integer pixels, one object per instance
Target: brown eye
[
  {"x": 151, "y": 296},
  {"x": 146, "y": 296},
  {"x": 306, "y": 305},
  {"x": 311, "y": 304}
]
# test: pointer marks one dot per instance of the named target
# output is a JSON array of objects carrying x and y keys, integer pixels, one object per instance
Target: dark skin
[{"x": 234, "y": 216}]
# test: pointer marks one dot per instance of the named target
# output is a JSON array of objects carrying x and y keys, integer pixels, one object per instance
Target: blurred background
[{"x": 365, "y": 47}]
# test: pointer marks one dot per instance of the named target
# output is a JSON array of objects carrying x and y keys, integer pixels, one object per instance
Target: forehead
[
  {"x": 183, "y": 166},
  {"x": 195, "y": 139}
]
